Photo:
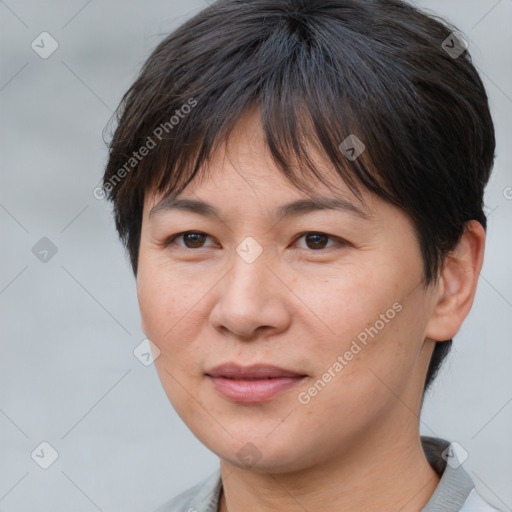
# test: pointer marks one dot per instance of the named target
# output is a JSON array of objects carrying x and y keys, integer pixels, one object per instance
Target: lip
[
  {"x": 252, "y": 384},
  {"x": 254, "y": 371}
]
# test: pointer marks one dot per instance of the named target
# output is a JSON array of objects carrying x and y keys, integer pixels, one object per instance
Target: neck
[{"x": 386, "y": 473}]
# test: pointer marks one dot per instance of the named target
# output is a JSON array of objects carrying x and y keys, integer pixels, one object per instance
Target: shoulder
[
  {"x": 475, "y": 503},
  {"x": 202, "y": 497}
]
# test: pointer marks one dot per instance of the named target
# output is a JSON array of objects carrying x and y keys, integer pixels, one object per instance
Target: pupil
[
  {"x": 317, "y": 237},
  {"x": 196, "y": 241}
]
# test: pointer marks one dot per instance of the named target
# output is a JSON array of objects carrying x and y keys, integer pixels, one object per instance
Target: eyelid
[{"x": 340, "y": 242}]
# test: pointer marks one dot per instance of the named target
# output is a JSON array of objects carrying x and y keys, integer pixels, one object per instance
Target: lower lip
[{"x": 251, "y": 391}]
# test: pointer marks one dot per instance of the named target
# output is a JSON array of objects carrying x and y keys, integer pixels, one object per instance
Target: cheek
[
  {"x": 167, "y": 309},
  {"x": 357, "y": 316},
  {"x": 155, "y": 304},
  {"x": 344, "y": 303},
  {"x": 159, "y": 311},
  {"x": 173, "y": 305},
  {"x": 165, "y": 299}
]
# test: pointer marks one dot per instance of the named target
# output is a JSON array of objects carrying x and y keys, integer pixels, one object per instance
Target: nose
[{"x": 252, "y": 299}]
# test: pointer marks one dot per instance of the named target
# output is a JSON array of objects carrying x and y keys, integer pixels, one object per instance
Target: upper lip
[{"x": 255, "y": 371}]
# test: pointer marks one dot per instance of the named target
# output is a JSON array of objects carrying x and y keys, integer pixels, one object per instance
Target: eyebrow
[{"x": 293, "y": 209}]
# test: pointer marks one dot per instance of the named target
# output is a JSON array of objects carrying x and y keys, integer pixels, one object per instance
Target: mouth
[
  {"x": 247, "y": 378},
  {"x": 252, "y": 372},
  {"x": 252, "y": 384}
]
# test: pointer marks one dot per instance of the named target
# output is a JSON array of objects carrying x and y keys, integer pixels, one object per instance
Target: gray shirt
[{"x": 454, "y": 493}]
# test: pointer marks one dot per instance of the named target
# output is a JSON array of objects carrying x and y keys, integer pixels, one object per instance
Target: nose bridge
[
  {"x": 249, "y": 276},
  {"x": 250, "y": 296}
]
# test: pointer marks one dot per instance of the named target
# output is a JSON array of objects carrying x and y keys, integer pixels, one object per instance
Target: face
[{"x": 333, "y": 295}]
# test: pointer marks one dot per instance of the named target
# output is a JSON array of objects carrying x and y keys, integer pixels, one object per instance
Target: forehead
[
  {"x": 230, "y": 191},
  {"x": 242, "y": 170}
]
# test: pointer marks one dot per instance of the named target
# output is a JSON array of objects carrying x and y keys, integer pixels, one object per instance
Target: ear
[{"x": 457, "y": 284}]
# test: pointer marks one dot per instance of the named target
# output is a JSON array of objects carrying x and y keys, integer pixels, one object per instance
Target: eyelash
[{"x": 340, "y": 241}]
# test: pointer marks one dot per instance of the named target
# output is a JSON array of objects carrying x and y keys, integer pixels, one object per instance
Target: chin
[{"x": 264, "y": 456}]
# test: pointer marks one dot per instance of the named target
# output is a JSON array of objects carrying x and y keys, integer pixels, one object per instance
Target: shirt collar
[
  {"x": 450, "y": 494},
  {"x": 455, "y": 484}
]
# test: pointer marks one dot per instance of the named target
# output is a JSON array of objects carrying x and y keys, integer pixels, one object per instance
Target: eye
[
  {"x": 316, "y": 241},
  {"x": 193, "y": 239}
]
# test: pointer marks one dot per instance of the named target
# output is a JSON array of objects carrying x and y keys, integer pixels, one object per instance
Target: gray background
[{"x": 69, "y": 326}]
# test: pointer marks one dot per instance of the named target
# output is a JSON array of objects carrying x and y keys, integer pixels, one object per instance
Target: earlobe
[{"x": 457, "y": 284}]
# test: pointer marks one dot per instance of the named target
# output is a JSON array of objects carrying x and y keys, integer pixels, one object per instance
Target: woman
[{"x": 300, "y": 185}]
